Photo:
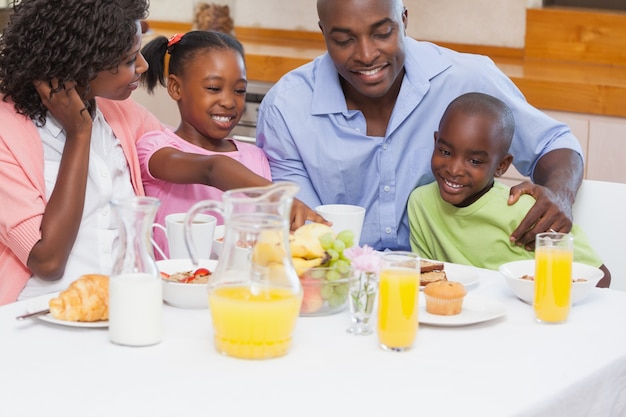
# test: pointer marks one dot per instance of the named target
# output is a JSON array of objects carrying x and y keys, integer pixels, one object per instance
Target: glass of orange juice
[
  {"x": 398, "y": 294},
  {"x": 553, "y": 276}
]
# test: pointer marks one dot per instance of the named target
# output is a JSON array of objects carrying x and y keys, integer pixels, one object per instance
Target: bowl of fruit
[
  {"x": 325, "y": 273},
  {"x": 325, "y": 291}
]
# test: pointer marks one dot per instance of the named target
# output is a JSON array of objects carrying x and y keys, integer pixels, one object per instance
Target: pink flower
[{"x": 363, "y": 259}]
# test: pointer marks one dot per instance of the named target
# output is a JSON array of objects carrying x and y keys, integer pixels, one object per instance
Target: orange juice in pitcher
[
  {"x": 253, "y": 324},
  {"x": 254, "y": 299}
]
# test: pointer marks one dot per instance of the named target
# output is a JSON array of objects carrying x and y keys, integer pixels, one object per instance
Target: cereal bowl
[
  {"x": 184, "y": 295},
  {"x": 240, "y": 253},
  {"x": 325, "y": 291},
  {"x": 524, "y": 288}
]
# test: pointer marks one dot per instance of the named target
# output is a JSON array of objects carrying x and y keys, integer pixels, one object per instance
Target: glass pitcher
[
  {"x": 135, "y": 292},
  {"x": 254, "y": 294}
]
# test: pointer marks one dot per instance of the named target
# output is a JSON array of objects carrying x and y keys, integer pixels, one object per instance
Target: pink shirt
[
  {"x": 23, "y": 191},
  {"x": 178, "y": 198}
]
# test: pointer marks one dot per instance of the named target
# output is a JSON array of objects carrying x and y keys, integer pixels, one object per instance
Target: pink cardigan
[{"x": 22, "y": 186}]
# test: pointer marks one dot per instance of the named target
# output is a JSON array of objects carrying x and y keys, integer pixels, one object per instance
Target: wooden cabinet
[
  {"x": 603, "y": 141},
  {"x": 606, "y": 156}
]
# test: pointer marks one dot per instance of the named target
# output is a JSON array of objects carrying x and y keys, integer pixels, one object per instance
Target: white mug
[
  {"x": 203, "y": 229},
  {"x": 344, "y": 217}
]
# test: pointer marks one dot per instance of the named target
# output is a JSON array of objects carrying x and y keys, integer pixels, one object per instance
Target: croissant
[{"x": 86, "y": 299}]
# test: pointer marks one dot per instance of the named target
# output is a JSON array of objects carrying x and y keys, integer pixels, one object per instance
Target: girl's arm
[
  {"x": 62, "y": 217},
  {"x": 219, "y": 171}
]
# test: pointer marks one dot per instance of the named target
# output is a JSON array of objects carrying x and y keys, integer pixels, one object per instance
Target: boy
[{"x": 463, "y": 217}]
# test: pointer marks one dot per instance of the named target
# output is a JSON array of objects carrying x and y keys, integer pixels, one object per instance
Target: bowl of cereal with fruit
[
  {"x": 184, "y": 284},
  {"x": 519, "y": 275}
]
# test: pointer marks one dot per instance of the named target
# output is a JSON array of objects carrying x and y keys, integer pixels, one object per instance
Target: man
[{"x": 355, "y": 125}]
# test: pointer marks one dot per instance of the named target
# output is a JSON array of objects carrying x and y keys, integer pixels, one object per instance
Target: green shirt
[{"x": 478, "y": 234}]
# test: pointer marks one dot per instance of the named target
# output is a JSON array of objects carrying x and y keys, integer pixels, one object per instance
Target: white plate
[
  {"x": 476, "y": 309},
  {"x": 48, "y": 317},
  {"x": 466, "y": 275},
  {"x": 42, "y": 304}
]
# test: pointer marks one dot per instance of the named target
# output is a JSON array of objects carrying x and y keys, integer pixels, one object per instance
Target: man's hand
[
  {"x": 550, "y": 213},
  {"x": 557, "y": 176}
]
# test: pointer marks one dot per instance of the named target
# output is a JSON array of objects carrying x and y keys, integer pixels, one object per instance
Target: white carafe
[{"x": 135, "y": 291}]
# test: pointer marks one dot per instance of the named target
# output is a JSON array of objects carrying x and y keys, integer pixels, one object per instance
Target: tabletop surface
[{"x": 509, "y": 366}]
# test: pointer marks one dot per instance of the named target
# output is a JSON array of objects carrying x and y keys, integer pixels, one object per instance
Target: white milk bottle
[{"x": 135, "y": 291}]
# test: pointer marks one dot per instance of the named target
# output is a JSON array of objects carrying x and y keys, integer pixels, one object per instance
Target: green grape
[
  {"x": 326, "y": 291},
  {"x": 336, "y": 299},
  {"x": 317, "y": 274},
  {"x": 334, "y": 255},
  {"x": 333, "y": 275},
  {"x": 326, "y": 241},
  {"x": 342, "y": 289},
  {"x": 342, "y": 266},
  {"x": 339, "y": 246},
  {"x": 347, "y": 237}
]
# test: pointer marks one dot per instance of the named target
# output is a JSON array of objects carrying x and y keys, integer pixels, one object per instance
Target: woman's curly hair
[{"x": 70, "y": 40}]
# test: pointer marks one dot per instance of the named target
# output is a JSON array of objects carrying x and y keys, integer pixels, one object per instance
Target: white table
[{"x": 511, "y": 366}]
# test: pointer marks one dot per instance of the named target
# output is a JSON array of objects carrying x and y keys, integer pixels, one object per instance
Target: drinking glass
[
  {"x": 398, "y": 295},
  {"x": 553, "y": 276},
  {"x": 362, "y": 294}
]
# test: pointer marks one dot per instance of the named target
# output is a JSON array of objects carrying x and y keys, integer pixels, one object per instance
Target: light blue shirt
[{"x": 311, "y": 138}]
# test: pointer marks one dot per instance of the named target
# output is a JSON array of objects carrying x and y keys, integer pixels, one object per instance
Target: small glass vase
[{"x": 363, "y": 290}]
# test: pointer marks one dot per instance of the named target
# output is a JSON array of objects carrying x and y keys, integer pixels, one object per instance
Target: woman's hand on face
[
  {"x": 66, "y": 105},
  {"x": 301, "y": 213}
]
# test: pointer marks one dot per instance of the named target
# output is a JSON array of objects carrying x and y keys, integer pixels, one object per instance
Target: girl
[
  {"x": 207, "y": 78},
  {"x": 67, "y": 136}
]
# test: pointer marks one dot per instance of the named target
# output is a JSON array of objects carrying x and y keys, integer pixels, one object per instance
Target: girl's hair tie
[{"x": 175, "y": 39}]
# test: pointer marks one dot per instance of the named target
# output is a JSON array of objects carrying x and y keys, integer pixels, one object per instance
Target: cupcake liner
[{"x": 444, "y": 306}]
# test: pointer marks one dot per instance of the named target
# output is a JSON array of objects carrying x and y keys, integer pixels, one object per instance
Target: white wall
[
  {"x": 181, "y": 10},
  {"x": 479, "y": 22}
]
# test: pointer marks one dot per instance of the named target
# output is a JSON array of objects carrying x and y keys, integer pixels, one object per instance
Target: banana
[
  {"x": 306, "y": 243},
  {"x": 313, "y": 229},
  {"x": 306, "y": 247},
  {"x": 265, "y": 253},
  {"x": 302, "y": 265},
  {"x": 269, "y": 248}
]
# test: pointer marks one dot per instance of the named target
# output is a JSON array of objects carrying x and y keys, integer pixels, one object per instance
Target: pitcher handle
[
  {"x": 154, "y": 244},
  {"x": 200, "y": 206}
]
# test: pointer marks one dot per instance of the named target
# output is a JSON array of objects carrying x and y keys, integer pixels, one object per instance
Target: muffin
[{"x": 444, "y": 298}]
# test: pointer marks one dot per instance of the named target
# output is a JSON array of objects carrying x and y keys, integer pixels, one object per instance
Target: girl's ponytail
[{"x": 154, "y": 52}]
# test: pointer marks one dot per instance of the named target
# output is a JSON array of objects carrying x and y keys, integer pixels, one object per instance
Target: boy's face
[
  {"x": 468, "y": 153},
  {"x": 211, "y": 93}
]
